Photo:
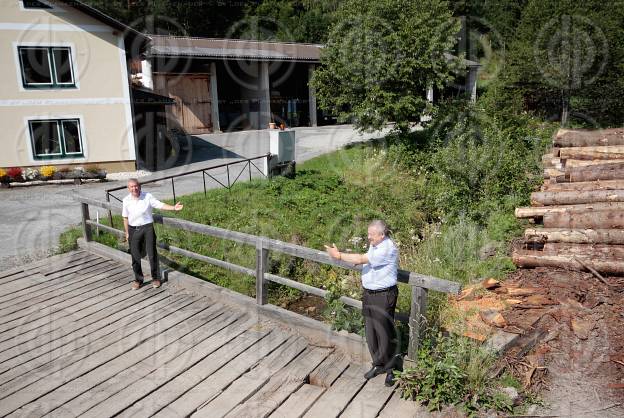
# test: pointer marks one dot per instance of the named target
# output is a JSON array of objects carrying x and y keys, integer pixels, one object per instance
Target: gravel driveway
[{"x": 34, "y": 217}]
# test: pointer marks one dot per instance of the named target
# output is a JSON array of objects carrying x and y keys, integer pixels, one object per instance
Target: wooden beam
[
  {"x": 538, "y": 211},
  {"x": 596, "y": 219},
  {"x": 584, "y": 186},
  {"x": 576, "y": 197},
  {"x": 530, "y": 258},
  {"x": 586, "y": 137},
  {"x": 417, "y": 321},
  {"x": 86, "y": 229},
  {"x": 578, "y": 236},
  {"x": 262, "y": 259},
  {"x": 611, "y": 152}
]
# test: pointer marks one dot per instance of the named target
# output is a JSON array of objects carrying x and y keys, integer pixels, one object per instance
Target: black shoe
[
  {"x": 375, "y": 371},
  {"x": 389, "y": 379}
]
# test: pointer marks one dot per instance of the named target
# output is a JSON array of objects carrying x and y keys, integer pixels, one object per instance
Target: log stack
[{"x": 580, "y": 206}]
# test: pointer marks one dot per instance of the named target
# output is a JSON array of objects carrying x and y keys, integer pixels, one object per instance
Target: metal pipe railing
[{"x": 248, "y": 163}]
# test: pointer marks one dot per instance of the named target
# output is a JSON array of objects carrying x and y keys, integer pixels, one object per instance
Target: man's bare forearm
[
  {"x": 126, "y": 226},
  {"x": 353, "y": 258}
]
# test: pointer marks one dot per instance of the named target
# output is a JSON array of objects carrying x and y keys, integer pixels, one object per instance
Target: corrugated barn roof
[{"x": 233, "y": 49}]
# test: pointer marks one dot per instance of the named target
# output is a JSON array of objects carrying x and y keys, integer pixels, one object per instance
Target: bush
[
  {"x": 15, "y": 174},
  {"x": 67, "y": 240},
  {"x": 473, "y": 161},
  {"x": 4, "y": 176},
  {"x": 31, "y": 174},
  {"x": 47, "y": 171},
  {"x": 341, "y": 316},
  {"x": 452, "y": 371}
]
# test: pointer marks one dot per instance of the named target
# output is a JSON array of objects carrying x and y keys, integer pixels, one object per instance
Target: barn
[{"x": 230, "y": 84}]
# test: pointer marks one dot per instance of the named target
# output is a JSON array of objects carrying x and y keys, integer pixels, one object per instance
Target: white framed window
[
  {"x": 35, "y": 4},
  {"x": 55, "y": 138},
  {"x": 46, "y": 67}
]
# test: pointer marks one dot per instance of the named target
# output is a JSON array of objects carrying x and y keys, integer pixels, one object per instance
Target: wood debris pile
[
  {"x": 572, "y": 323},
  {"x": 580, "y": 205},
  {"x": 489, "y": 305}
]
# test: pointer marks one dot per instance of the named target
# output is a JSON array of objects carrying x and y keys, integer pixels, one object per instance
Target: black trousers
[
  {"x": 143, "y": 240},
  {"x": 378, "y": 309}
]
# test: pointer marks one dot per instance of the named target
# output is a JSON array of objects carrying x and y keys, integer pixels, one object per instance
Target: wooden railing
[{"x": 420, "y": 284}]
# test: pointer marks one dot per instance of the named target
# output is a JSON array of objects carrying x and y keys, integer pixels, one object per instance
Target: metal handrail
[
  {"x": 420, "y": 283},
  {"x": 248, "y": 163}
]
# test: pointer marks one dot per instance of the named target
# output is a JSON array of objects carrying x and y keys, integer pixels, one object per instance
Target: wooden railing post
[
  {"x": 262, "y": 258},
  {"x": 110, "y": 213},
  {"x": 417, "y": 320},
  {"x": 86, "y": 228}
]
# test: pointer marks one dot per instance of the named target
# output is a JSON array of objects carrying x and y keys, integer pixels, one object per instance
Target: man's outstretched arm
[
  {"x": 347, "y": 257},
  {"x": 176, "y": 207}
]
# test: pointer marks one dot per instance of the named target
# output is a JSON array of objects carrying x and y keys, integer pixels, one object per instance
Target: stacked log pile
[{"x": 580, "y": 205}]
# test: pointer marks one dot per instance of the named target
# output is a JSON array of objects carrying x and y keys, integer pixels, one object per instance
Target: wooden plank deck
[{"x": 76, "y": 341}]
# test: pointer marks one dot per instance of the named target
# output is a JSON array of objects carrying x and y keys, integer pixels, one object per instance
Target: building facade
[{"x": 65, "y": 96}]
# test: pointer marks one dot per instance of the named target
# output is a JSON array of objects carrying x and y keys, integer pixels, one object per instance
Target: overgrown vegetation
[{"x": 452, "y": 370}]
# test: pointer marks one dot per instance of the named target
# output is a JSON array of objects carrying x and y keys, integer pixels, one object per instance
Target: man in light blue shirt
[{"x": 380, "y": 293}]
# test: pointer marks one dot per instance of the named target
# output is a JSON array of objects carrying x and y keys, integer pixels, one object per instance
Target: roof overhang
[
  {"x": 232, "y": 49},
  {"x": 142, "y": 96}
]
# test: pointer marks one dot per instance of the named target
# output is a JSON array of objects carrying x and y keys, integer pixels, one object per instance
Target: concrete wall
[{"x": 100, "y": 100}]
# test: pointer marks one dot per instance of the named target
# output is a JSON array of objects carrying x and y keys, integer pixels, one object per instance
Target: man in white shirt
[
  {"x": 139, "y": 227},
  {"x": 380, "y": 293}
]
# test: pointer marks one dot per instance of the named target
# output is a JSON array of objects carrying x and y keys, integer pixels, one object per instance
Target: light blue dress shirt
[{"x": 383, "y": 262}]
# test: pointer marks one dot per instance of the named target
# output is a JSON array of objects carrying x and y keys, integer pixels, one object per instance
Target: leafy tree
[
  {"x": 211, "y": 18},
  {"x": 566, "y": 60},
  {"x": 380, "y": 57},
  {"x": 291, "y": 20}
]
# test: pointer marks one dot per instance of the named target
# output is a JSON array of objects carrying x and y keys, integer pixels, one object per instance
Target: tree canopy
[
  {"x": 566, "y": 58},
  {"x": 380, "y": 57},
  {"x": 292, "y": 20},
  {"x": 204, "y": 18}
]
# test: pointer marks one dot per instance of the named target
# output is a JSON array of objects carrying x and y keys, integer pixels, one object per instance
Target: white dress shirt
[
  {"x": 139, "y": 210},
  {"x": 383, "y": 263}
]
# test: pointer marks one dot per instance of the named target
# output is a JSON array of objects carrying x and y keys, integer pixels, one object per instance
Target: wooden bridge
[{"x": 76, "y": 341}]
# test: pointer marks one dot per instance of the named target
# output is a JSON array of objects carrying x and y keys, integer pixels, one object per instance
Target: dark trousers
[
  {"x": 378, "y": 310},
  {"x": 143, "y": 240}
]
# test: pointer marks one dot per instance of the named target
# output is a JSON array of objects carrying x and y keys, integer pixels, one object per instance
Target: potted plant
[
  {"x": 31, "y": 174},
  {"x": 15, "y": 174},
  {"x": 47, "y": 172},
  {"x": 4, "y": 178}
]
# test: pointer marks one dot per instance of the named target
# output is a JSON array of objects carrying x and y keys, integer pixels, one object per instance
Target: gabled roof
[
  {"x": 233, "y": 49},
  {"x": 128, "y": 32}
]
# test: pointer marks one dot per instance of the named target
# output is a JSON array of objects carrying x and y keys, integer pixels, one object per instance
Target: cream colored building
[{"x": 64, "y": 86}]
